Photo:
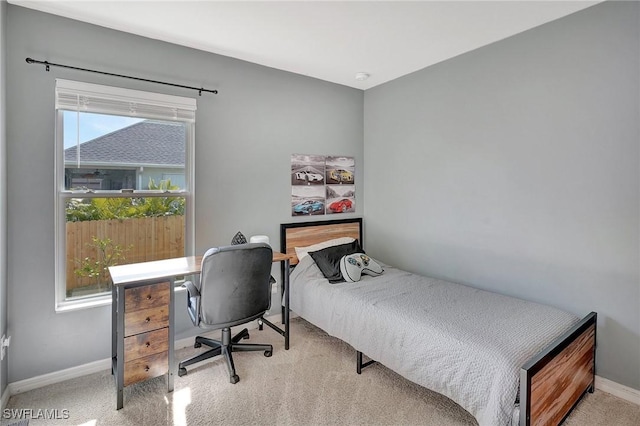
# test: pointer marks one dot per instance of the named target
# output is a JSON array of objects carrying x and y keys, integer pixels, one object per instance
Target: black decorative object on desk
[{"x": 239, "y": 238}]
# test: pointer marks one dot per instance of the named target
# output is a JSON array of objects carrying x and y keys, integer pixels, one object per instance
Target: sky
[{"x": 91, "y": 126}]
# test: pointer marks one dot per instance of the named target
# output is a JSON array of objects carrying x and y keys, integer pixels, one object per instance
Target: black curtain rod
[{"x": 48, "y": 64}]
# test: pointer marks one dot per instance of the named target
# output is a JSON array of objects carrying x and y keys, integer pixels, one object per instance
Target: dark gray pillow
[{"x": 328, "y": 259}]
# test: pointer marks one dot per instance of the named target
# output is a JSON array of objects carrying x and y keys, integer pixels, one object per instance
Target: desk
[{"x": 143, "y": 317}]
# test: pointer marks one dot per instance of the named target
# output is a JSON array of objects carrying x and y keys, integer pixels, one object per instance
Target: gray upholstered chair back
[{"x": 234, "y": 284}]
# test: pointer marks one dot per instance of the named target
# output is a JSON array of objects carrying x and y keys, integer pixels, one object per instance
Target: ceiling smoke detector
[{"x": 362, "y": 76}]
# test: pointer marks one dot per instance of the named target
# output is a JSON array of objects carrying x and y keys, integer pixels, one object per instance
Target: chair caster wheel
[
  {"x": 260, "y": 325},
  {"x": 197, "y": 344},
  {"x": 268, "y": 353},
  {"x": 234, "y": 379},
  {"x": 182, "y": 371}
]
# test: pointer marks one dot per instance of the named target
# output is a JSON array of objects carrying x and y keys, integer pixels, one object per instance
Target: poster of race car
[
  {"x": 322, "y": 184},
  {"x": 307, "y": 200},
  {"x": 307, "y": 169},
  {"x": 340, "y": 170},
  {"x": 341, "y": 199}
]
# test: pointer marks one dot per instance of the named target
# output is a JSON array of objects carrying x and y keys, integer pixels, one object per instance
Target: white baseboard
[
  {"x": 58, "y": 376},
  {"x": 616, "y": 389},
  {"x": 95, "y": 367}
]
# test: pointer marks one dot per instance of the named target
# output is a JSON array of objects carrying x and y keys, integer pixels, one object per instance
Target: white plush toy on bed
[{"x": 352, "y": 266}]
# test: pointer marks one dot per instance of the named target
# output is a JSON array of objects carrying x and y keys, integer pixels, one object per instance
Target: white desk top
[
  {"x": 157, "y": 269},
  {"x": 168, "y": 268}
]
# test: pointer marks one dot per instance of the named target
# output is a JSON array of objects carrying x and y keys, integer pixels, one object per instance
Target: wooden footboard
[{"x": 553, "y": 381}]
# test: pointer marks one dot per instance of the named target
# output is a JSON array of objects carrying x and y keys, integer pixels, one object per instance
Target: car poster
[
  {"x": 341, "y": 199},
  {"x": 322, "y": 184},
  {"x": 340, "y": 187}
]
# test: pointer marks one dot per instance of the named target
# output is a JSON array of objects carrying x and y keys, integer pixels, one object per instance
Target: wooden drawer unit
[{"x": 146, "y": 331}]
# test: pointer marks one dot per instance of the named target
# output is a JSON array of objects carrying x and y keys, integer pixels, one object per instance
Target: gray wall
[
  {"x": 3, "y": 190},
  {"x": 515, "y": 168},
  {"x": 245, "y": 136}
]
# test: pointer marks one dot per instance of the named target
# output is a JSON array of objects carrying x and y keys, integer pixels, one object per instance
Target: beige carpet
[{"x": 313, "y": 383}]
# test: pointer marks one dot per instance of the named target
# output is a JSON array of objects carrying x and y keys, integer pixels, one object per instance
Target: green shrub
[
  {"x": 108, "y": 254},
  {"x": 78, "y": 210}
]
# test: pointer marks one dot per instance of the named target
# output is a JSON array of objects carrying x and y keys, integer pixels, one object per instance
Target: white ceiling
[{"x": 329, "y": 40}]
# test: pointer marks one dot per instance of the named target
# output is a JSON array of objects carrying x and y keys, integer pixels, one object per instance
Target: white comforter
[{"x": 465, "y": 343}]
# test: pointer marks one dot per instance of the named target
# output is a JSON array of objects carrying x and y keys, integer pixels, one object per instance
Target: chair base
[{"x": 225, "y": 346}]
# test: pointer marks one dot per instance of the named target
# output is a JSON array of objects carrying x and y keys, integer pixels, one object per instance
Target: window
[{"x": 124, "y": 184}]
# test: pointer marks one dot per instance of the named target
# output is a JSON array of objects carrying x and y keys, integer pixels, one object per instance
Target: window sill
[{"x": 76, "y": 305}]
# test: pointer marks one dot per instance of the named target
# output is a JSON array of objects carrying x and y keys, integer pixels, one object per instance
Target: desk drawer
[
  {"x": 146, "y": 344},
  {"x": 147, "y": 296},
  {"x": 145, "y": 368},
  {"x": 146, "y": 320}
]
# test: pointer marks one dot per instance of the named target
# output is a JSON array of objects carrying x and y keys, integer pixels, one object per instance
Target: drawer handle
[
  {"x": 149, "y": 297},
  {"x": 147, "y": 344},
  {"x": 147, "y": 319},
  {"x": 146, "y": 368}
]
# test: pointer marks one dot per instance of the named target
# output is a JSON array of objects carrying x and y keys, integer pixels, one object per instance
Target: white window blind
[{"x": 87, "y": 97}]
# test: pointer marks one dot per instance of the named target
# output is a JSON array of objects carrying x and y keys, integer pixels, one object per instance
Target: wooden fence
[{"x": 140, "y": 239}]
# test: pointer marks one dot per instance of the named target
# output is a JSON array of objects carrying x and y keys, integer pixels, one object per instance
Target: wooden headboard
[{"x": 302, "y": 234}]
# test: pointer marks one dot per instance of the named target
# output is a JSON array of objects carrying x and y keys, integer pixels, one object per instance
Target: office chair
[{"x": 234, "y": 289}]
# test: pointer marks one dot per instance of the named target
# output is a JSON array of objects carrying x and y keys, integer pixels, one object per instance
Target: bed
[{"x": 505, "y": 360}]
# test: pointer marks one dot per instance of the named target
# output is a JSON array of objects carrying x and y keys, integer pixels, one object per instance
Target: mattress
[{"x": 465, "y": 343}]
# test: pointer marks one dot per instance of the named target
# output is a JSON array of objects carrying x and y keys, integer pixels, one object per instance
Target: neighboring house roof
[{"x": 147, "y": 142}]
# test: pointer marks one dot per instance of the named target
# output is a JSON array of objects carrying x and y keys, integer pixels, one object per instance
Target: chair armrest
[
  {"x": 193, "y": 302},
  {"x": 191, "y": 289}
]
